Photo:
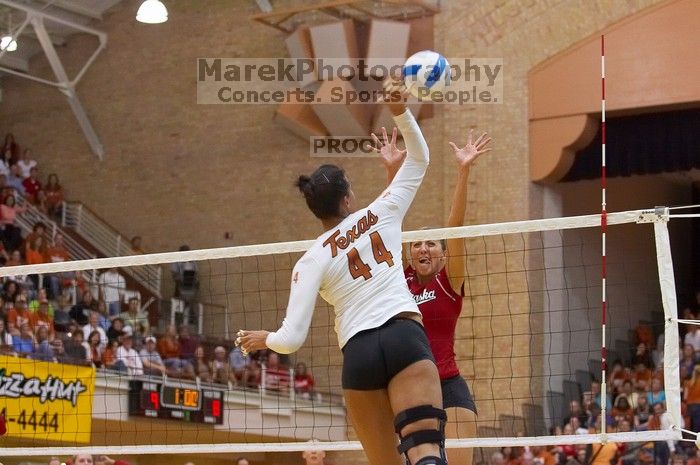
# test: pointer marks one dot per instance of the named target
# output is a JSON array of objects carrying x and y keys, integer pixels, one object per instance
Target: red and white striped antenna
[{"x": 603, "y": 230}]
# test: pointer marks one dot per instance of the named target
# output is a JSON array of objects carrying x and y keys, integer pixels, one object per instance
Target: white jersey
[{"x": 356, "y": 266}]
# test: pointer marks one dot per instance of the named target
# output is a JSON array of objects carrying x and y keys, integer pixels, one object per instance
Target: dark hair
[
  {"x": 324, "y": 190},
  {"x": 91, "y": 335}
]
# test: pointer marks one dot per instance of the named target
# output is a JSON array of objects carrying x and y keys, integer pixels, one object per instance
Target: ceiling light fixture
[
  {"x": 152, "y": 12},
  {"x": 8, "y": 43}
]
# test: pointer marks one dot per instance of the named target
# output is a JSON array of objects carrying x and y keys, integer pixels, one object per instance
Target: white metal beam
[
  {"x": 67, "y": 87},
  {"x": 81, "y": 7},
  {"x": 50, "y": 17}
]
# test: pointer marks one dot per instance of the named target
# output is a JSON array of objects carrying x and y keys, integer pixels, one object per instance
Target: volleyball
[{"x": 426, "y": 72}]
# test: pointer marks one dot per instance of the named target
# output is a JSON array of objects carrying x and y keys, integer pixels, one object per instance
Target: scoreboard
[{"x": 176, "y": 401}]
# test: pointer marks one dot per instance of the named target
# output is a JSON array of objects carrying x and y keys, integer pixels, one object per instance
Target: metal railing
[
  {"x": 27, "y": 219},
  {"x": 109, "y": 242}
]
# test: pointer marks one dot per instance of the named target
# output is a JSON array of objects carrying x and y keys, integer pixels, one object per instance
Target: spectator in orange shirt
[
  {"x": 618, "y": 376},
  {"x": 18, "y": 315},
  {"x": 39, "y": 229},
  {"x": 169, "y": 349},
  {"x": 109, "y": 355},
  {"x": 35, "y": 253},
  {"x": 54, "y": 196},
  {"x": 644, "y": 335},
  {"x": 11, "y": 234},
  {"x": 642, "y": 376},
  {"x": 58, "y": 251}
]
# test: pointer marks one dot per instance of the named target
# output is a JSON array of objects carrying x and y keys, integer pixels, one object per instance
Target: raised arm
[
  {"x": 456, "y": 265},
  {"x": 403, "y": 187},
  {"x": 306, "y": 281}
]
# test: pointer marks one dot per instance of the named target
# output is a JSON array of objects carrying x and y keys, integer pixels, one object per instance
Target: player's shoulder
[{"x": 315, "y": 255}]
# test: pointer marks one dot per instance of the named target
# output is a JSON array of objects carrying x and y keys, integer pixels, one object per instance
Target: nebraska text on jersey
[
  {"x": 363, "y": 225},
  {"x": 425, "y": 296}
]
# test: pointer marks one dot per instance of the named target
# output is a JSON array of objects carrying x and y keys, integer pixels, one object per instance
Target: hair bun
[{"x": 305, "y": 185}]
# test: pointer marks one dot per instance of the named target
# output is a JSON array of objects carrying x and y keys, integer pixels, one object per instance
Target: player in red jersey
[{"x": 435, "y": 276}]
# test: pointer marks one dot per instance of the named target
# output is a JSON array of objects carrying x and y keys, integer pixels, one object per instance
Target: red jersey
[{"x": 440, "y": 306}]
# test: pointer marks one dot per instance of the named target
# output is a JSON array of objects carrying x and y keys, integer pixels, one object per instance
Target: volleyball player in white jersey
[{"x": 390, "y": 381}]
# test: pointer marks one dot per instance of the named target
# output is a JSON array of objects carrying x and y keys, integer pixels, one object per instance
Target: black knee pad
[{"x": 427, "y": 436}]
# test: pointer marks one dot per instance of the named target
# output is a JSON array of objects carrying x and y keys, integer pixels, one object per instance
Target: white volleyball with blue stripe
[{"x": 426, "y": 72}]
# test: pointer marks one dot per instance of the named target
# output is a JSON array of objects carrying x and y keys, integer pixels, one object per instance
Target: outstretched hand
[
  {"x": 390, "y": 155},
  {"x": 468, "y": 154},
  {"x": 250, "y": 341}
]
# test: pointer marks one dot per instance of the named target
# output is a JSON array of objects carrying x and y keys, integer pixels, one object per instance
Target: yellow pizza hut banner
[{"x": 42, "y": 400}]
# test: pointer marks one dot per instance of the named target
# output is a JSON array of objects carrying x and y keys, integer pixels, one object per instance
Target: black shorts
[
  {"x": 373, "y": 357},
  {"x": 455, "y": 393}
]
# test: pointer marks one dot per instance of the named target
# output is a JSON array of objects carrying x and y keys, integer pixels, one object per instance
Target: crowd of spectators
[
  {"x": 65, "y": 318},
  {"x": 92, "y": 331},
  {"x": 636, "y": 401}
]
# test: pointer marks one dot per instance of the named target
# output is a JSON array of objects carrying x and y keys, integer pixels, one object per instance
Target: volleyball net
[{"x": 528, "y": 342}]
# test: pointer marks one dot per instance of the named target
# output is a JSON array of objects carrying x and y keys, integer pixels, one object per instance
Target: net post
[{"x": 667, "y": 284}]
